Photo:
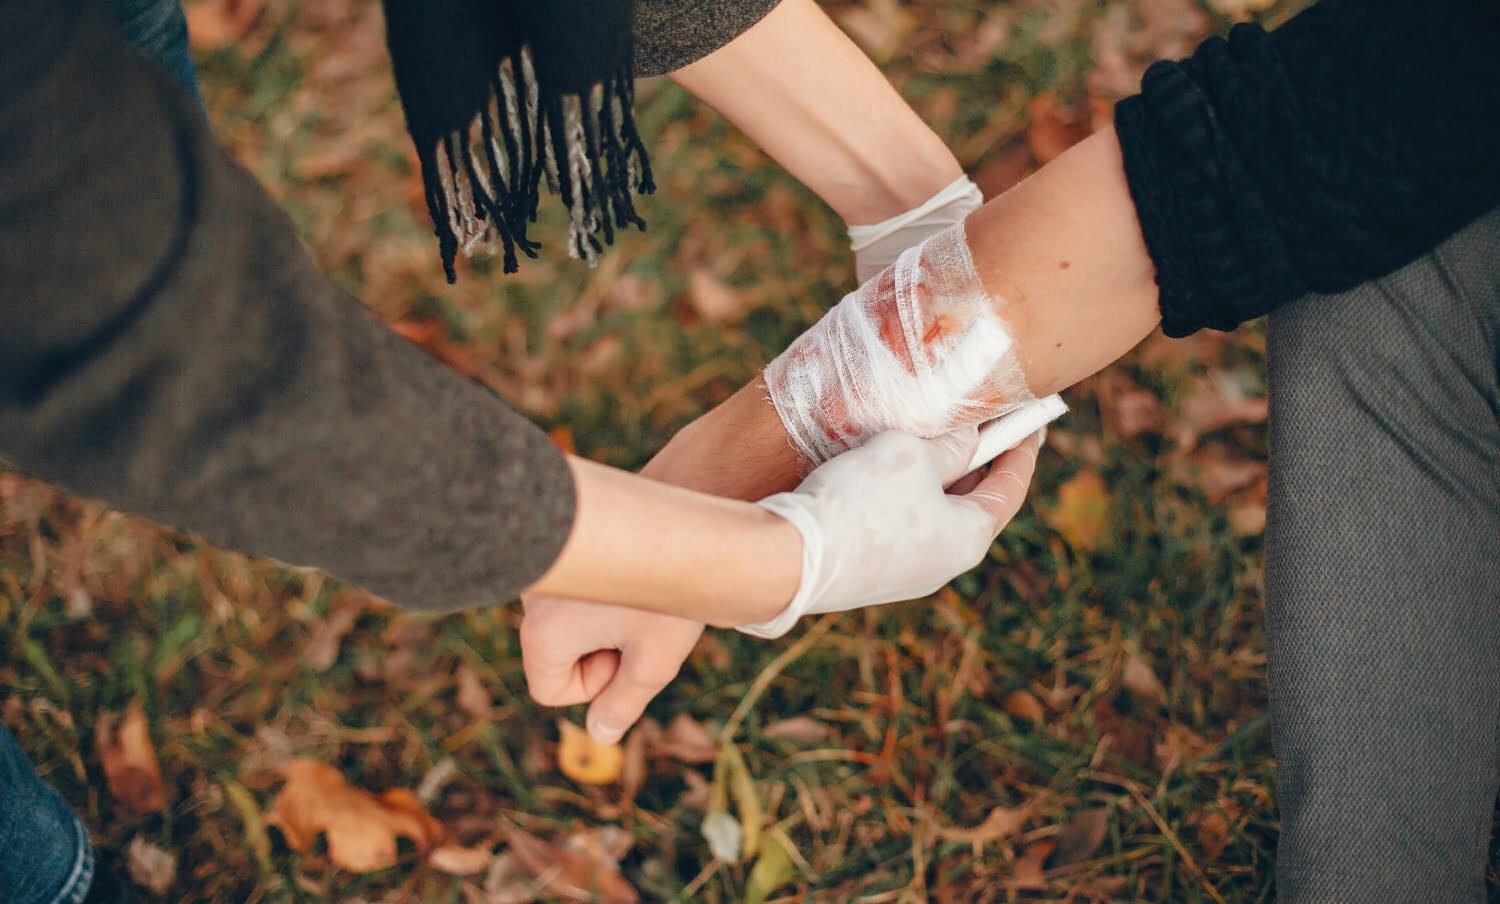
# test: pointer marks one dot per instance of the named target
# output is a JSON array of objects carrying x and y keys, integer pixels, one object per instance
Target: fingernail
[{"x": 605, "y": 734}]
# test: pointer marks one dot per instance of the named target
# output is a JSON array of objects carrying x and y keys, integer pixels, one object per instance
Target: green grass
[{"x": 97, "y": 610}]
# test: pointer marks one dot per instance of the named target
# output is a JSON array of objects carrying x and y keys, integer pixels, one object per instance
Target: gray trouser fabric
[{"x": 1383, "y": 580}]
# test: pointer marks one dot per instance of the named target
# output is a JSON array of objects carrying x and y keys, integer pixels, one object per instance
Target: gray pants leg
[{"x": 1383, "y": 581}]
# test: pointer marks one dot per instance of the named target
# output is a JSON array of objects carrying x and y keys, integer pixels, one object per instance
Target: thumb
[{"x": 951, "y": 453}]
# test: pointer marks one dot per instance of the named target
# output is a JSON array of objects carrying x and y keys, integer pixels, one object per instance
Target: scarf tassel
[{"x": 482, "y": 182}]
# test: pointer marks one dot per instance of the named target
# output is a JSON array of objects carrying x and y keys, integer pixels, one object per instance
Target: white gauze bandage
[{"x": 921, "y": 348}]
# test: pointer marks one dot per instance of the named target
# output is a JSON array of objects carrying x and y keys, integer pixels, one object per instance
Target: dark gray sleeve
[
  {"x": 167, "y": 345},
  {"x": 670, "y": 34}
]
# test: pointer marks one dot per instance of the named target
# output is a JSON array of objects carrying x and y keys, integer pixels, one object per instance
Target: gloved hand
[
  {"x": 878, "y": 245},
  {"x": 878, "y": 527}
]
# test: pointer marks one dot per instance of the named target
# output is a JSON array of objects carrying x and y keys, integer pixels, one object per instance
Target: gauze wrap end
[{"x": 921, "y": 348}]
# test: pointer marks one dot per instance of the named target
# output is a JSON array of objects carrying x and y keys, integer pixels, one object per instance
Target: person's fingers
[
  {"x": 1003, "y": 490},
  {"x": 646, "y": 668},
  {"x": 552, "y": 655},
  {"x": 951, "y": 453},
  {"x": 596, "y": 670},
  {"x": 968, "y": 482}
]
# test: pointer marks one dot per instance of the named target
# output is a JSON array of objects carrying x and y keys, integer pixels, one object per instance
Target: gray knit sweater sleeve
[
  {"x": 670, "y": 34},
  {"x": 166, "y": 345}
]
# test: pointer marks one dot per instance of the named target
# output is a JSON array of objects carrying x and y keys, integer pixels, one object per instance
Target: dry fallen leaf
[
  {"x": 344, "y": 610},
  {"x": 688, "y": 741},
  {"x": 1221, "y": 476},
  {"x": 1025, "y": 705},
  {"x": 150, "y": 867},
  {"x": 1080, "y": 838},
  {"x": 569, "y": 874},
  {"x": 1082, "y": 512},
  {"x": 129, "y": 760},
  {"x": 1215, "y": 403},
  {"x": 1213, "y": 834},
  {"x": 1141, "y": 680},
  {"x": 361, "y": 828},
  {"x": 456, "y": 860},
  {"x": 472, "y": 696},
  {"x": 585, "y": 760},
  {"x": 1029, "y": 866},
  {"x": 1002, "y": 823},
  {"x": 1127, "y": 409},
  {"x": 801, "y": 729}
]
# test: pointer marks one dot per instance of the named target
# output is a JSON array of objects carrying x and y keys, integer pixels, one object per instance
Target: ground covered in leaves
[{"x": 1081, "y": 719}]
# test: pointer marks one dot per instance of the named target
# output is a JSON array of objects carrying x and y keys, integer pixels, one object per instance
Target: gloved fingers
[
  {"x": 1003, "y": 490},
  {"x": 951, "y": 452}
]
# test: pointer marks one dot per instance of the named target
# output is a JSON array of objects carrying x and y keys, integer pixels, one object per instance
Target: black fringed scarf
[{"x": 500, "y": 94}]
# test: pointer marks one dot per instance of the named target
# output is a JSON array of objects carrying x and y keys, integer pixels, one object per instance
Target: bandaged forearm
[{"x": 921, "y": 348}]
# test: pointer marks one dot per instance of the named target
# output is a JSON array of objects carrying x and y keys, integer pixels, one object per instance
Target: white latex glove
[
  {"x": 878, "y": 245},
  {"x": 878, "y": 527}
]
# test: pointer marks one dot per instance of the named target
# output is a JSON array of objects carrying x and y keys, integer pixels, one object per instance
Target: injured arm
[{"x": 1042, "y": 287}]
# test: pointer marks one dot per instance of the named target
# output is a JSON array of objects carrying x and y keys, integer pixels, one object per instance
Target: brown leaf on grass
[
  {"x": 1140, "y": 679},
  {"x": 1213, "y": 834},
  {"x": 880, "y": 27},
  {"x": 1004, "y": 168},
  {"x": 344, "y": 610},
  {"x": 1030, "y": 865},
  {"x": 473, "y": 697},
  {"x": 129, "y": 760},
  {"x": 1127, "y": 409},
  {"x": 1215, "y": 403},
  {"x": 712, "y": 299},
  {"x": 800, "y": 729},
  {"x": 1000, "y": 824},
  {"x": 361, "y": 828},
  {"x": 1082, "y": 513},
  {"x": 687, "y": 741},
  {"x": 570, "y": 874},
  {"x": 216, "y": 24},
  {"x": 1080, "y": 838},
  {"x": 1221, "y": 476},
  {"x": 150, "y": 867},
  {"x": 456, "y": 860},
  {"x": 1054, "y": 128},
  {"x": 1249, "y": 518},
  {"x": 585, "y": 760},
  {"x": 1024, "y": 705}
]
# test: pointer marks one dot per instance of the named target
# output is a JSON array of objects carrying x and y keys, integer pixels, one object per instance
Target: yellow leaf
[
  {"x": 585, "y": 760},
  {"x": 1082, "y": 514},
  {"x": 773, "y": 869},
  {"x": 1025, "y": 705}
]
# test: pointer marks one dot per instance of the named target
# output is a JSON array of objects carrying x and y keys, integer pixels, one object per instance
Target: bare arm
[{"x": 801, "y": 90}]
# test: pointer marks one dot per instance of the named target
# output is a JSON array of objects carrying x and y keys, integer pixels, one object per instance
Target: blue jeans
[{"x": 45, "y": 854}]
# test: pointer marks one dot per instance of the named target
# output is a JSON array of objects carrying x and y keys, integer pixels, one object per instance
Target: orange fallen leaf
[
  {"x": 361, "y": 828},
  {"x": 1025, "y": 705},
  {"x": 1082, "y": 512},
  {"x": 1030, "y": 865},
  {"x": 1213, "y": 834},
  {"x": 585, "y": 760},
  {"x": 129, "y": 760}
]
